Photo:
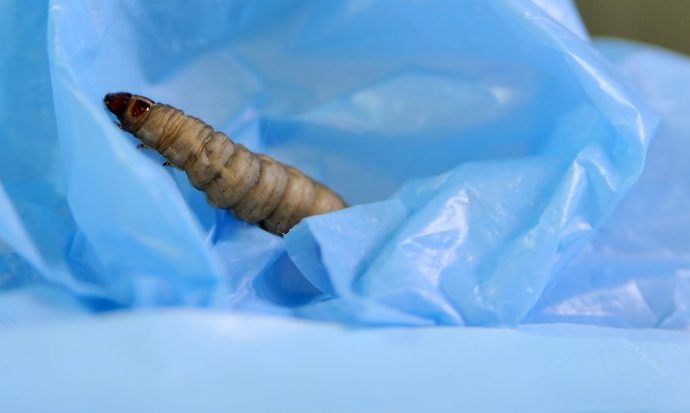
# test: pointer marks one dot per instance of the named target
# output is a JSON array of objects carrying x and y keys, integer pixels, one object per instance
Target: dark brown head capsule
[
  {"x": 129, "y": 109},
  {"x": 117, "y": 102}
]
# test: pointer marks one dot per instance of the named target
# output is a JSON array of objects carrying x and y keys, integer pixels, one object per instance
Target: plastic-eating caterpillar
[{"x": 257, "y": 188}]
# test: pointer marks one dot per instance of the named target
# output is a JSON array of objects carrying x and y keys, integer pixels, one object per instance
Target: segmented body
[{"x": 257, "y": 188}]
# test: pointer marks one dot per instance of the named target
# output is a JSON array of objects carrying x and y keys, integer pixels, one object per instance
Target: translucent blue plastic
[
  {"x": 636, "y": 270},
  {"x": 479, "y": 146},
  {"x": 490, "y": 151}
]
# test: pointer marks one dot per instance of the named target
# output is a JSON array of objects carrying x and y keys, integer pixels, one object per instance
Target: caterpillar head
[{"x": 131, "y": 110}]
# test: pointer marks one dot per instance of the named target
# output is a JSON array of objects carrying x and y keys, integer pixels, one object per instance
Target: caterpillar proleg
[{"x": 257, "y": 188}]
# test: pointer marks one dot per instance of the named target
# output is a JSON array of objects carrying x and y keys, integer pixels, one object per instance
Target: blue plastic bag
[
  {"x": 482, "y": 145},
  {"x": 511, "y": 136},
  {"x": 634, "y": 272}
]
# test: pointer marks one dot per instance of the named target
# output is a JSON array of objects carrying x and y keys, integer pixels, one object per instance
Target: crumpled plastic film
[
  {"x": 480, "y": 146},
  {"x": 491, "y": 152},
  {"x": 478, "y": 244},
  {"x": 636, "y": 271}
]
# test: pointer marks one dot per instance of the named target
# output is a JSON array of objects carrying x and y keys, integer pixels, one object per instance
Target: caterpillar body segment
[{"x": 257, "y": 188}]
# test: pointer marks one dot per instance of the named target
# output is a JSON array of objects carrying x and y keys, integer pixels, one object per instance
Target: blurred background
[{"x": 662, "y": 22}]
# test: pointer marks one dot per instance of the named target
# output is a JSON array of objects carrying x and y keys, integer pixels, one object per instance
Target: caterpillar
[{"x": 255, "y": 187}]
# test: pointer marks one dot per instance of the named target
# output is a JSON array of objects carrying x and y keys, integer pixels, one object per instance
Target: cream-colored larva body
[{"x": 257, "y": 188}]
